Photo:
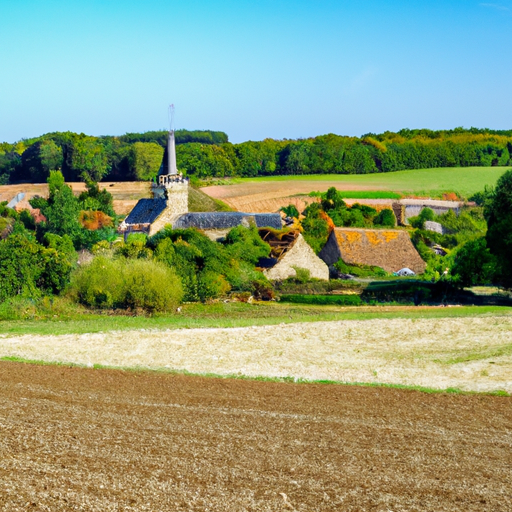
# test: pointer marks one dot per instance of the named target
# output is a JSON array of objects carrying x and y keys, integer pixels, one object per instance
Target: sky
[{"x": 254, "y": 69}]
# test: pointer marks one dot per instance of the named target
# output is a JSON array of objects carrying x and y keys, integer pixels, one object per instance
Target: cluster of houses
[{"x": 390, "y": 249}]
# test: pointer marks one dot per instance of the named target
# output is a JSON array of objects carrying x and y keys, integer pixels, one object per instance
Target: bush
[
  {"x": 419, "y": 221},
  {"x": 290, "y": 211},
  {"x": 119, "y": 283},
  {"x": 386, "y": 218},
  {"x": 302, "y": 275},
  {"x": 474, "y": 264},
  {"x": 151, "y": 286},
  {"x": 359, "y": 270},
  {"x": 212, "y": 285}
]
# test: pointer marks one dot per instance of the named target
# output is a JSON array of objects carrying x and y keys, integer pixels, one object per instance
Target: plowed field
[{"x": 102, "y": 440}]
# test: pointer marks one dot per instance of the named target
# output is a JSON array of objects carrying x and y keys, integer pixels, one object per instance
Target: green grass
[
  {"x": 425, "y": 182},
  {"x": 198, "y": 201},
  {"x": 478, "y": 355},
  {"x": 288, "y": 380},
  {"x": 360, "y": 194},
  {"x": 235, "y": 315}
]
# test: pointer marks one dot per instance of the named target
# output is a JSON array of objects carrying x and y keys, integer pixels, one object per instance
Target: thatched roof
[
  {"x": 226, "y": 220},
  {"x": 390, "y": 249},
  {"x": 146, "y": 211},
  {"x": 280, "y": 241}
]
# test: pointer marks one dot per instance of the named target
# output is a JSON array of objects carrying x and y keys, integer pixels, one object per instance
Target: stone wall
[
  {"x": 177, "y": 204},
  {"x": 302, "y": 256}
]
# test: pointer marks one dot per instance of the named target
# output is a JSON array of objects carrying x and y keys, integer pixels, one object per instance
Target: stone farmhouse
[
  {"x": 389, "y": 249},
  {"x": 290, "y": 251}
]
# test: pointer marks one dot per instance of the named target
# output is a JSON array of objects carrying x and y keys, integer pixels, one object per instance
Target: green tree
[
  {"x": 474, "y": 264},
  {"x": 88, "y": 158},
  {"x": 41, "y": 158},
  {"x": 145, "y": 160},
  {"x": 386, "y": 218},
  {"x": 498, "y": 213},
  {"x": 62, "y": 208}
]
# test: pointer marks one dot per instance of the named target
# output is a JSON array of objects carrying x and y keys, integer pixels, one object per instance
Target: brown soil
[{"x": 100, "y": 440}]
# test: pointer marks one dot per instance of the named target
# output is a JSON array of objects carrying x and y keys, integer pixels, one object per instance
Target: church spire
[{"x": 171, "y": 155}]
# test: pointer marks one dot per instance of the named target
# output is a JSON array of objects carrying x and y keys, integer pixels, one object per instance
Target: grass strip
[
  {"x": 478, "y": 355},
  {"x": 225, "y": 315},
  {"x": 339, "y": 300},
  {"x": 360, "y": 194}
]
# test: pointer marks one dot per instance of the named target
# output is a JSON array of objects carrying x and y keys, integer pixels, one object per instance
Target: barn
[{"x": 390, "y": 249}]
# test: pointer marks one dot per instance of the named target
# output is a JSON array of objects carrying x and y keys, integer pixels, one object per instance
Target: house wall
[
  {"x": 177, "y": 204},
  {"x": 300, "y": 255},
  {"x": 414, "y": 210},
  {"x": 330, "y": 252}
]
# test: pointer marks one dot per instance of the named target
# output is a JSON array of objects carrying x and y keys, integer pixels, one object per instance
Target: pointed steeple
[{"x": 171, "y": 155}]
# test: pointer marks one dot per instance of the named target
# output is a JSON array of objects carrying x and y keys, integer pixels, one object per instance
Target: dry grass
[{"x": 473, "y": 354}]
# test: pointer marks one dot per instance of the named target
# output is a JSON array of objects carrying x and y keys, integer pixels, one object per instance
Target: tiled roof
[
  {"x": 146, "y": 211},
  {"x": 226, "y": 220}
]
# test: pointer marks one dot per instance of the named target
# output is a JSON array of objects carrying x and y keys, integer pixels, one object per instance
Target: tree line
[{"x": 205, "y": 154}]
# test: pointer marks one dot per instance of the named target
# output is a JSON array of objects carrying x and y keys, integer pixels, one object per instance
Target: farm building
[
  {"x": 406, "y": 208},
  {"x": 391, "y": 250},
  {"x": 290, "y": 251}
]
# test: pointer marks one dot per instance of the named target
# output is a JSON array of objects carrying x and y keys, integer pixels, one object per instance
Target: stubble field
[
  {"x": 271, "y": 193},
  {"x": 467, "y": 353}
]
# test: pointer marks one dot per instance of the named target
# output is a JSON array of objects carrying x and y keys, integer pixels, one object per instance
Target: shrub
[
  {"x": 359, "y": 270},
  {"x": 94, "y": 219},
  {"x": 151, "y": 286},
  {"x": 302, "y": 275},
  {"x": 419, "y": 221},
  {"x": 212, "y": 285},
  {"x": 385, "y": 218},
  {"x": 474, "y": 264},
  {"x": 119, "y": 283},
  {"x": 290, "y": 211}
]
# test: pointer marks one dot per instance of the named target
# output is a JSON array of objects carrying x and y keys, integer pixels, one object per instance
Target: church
[{"x": 169, "y": 206}]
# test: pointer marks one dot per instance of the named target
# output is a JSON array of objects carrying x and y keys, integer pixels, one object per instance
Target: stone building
[
  {"x": 170, "y": 197},
  {"x": 390, "y": 249},
  {"x": 169, "y": 206},
  {"x": 289, "y": 251},
  {"x": 406, "y": 208}
]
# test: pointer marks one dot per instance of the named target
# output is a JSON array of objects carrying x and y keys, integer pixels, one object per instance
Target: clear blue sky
[{"x": 254, "y": 69}]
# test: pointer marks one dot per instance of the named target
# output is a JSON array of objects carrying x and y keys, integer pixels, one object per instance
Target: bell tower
[{"x": 171, "y": 185}]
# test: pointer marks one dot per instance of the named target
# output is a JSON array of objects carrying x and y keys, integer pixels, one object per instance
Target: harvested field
[
  {"x": 102, "y": 440},
  {"x": 470, "y": 353},
  {"x": 125, "y": 193},
  {"x": 271, "y": 193}
]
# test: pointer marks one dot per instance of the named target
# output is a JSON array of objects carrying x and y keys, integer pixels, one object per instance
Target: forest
[{"x": 205, "y": 154}]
